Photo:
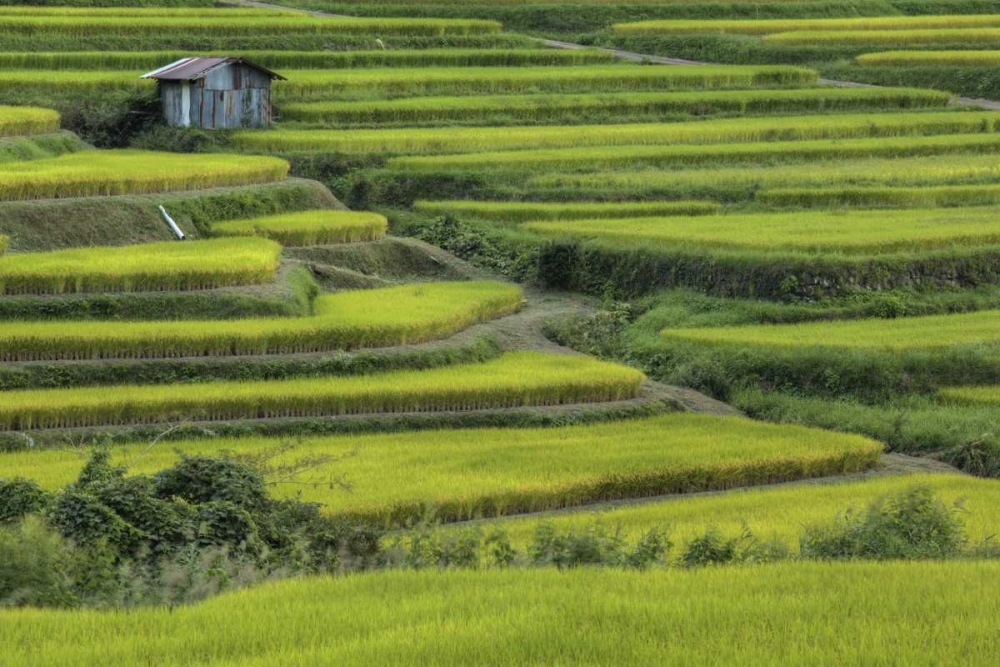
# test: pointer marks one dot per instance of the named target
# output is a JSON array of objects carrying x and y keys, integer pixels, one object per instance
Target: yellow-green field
[{"x": 309, "y": 227}]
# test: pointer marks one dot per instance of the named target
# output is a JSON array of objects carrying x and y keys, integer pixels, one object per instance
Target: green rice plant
[
  {"x": 439, "y": 57},
  {"x": 471, "y": 140},
  {"x": 985, "y": 396},
  {"x": 736, "y": 183},
  {"x": 61, "y": 82},
  {"x": 515, "y": 379},
  {"x": 347, "y": 320},
  {"x": 289, "y": 24},
  {"x": 772, "y": 26},
  {"x": 872, "y": 197},
  {"x": 27, "y": 120},
  {"x": 930, "y": 58},
  {"x": 4, "y": 242},
  {"x": 853, "y": 613},
  {"x": 854, "y": 232},
  {"x": 399, "y": 81},
  {"x": 518, "y": 212},
  {"x": 455, "y": 475},
  {"x": 542, "y": 107},
  {"x": 877, "y": 38},
  {"x": 119, "y": 172},
  {"x": 147, "y": 267},
  {"x": 630, "y": 157},
  {"x": 309, "y": 227},
  {"x": 771, "y": 513},
  {"x": 903, "y": 333}
]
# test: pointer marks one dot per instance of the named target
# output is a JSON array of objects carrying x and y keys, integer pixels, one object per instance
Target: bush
[{"x": 19, "y": 497}]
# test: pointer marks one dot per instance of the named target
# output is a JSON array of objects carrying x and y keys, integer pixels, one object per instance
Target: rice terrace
[{"x": 499, "y": 332}]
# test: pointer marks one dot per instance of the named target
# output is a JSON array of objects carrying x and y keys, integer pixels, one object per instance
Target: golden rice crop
[
  {"x": 857, "y": 613},
  {"x": 743, "y": 182},
  {"x": 119, "y": 172},
  {"x": 347, "y": 320},
  {"x": 463, "y": 474},
  {"x": 239, "y": 25},
  {"x": 309, "y": 227},
  {"x": 804, "y": 231},
  {"x": 144, "y": 10},
  {"x": 50, "y": 82},
  {"x": 475, "y": 139},
  {"x": 27, "y": 120},
  {"x": 904, "y": 333},
  {"x": 516, "y": 212},
  {"x": 399, "y": 81},
  {"x": 930, "y": 58},
  {"x": 590, "y": 158},
  {"x": 772, "y": 26},
  {"x": 876, "y": 38},
  {"x": 516, "y": 379},
  {"x": 149, "y": 267},
  {"x": 437, "y": 57},
  {"x": 928, "y": 196},
  {"x": 539, "y": 106}
]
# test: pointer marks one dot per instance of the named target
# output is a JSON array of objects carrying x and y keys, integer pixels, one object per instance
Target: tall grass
[
  {"x": 631, "y": 157},
  {"x": 58, "y": 81},
  {"x": 144, "y": 10},
  {"x": 461, "y": 474},
  {"x": 407, "y": 314},
  {"x": 471, "y": 140},
  {"x": 289, "y": 24},
  {"x": 861, "y": 196},
  {"x": 809, "y": 231},
  {"x": 119, "y": 172},
  {"x": 439, "y": 57},
  {"x": 309, "y": 227},
  {"x": 904, "y": 333},
  {"x": 772, "y": 513},
  {"x": 772, "y": 26},
  {"x": 149, "y": 267},
  {"x": 401, "y": 81},
  {"x": 537, "y": 108},
  {"x": 516, "y": 379},
  {"x": 517, "y": 212},
  {"x": 903, "y": 613},
  {"x": 930, "y": 58},
  {"x": 27, "y": 120},
  {"x": 737, "y": 183}
]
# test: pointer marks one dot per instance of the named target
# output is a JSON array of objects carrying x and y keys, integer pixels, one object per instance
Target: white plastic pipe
[{"x": 173, "y": 225}]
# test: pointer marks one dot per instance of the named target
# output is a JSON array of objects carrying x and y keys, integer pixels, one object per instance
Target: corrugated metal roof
[{"x": 190, "y": 69}]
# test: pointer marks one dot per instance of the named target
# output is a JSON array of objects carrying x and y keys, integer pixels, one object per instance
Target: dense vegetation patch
[{"x": 309, "y": 227}]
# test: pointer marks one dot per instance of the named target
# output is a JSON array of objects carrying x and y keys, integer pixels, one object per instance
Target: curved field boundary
[
  {"x": 984, "y": 396},
  {"x": 344, "y": 321},
  {"x": 460, "y": 474},
  {"x": 145, "y": 267},
  {"x": 925, "y": 58},
  {"x": 309, "y": 227},
  {"x": 514, "y": 380},
  {"x": 771, "y": 26},
  {"x": 872, "y": 197}
]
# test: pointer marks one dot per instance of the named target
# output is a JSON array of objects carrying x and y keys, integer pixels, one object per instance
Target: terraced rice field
[
  {"x": 150, "y": 267},
  {"x": 345, "y": 320},
  {"x": 471, "y": 140},
  {"x": 838, "y": 247},
  {"x": 309, "y": 227},
  {"x": 514, "y": 380},
  {"x": 855, "y": 232},
  {"x": 122, "y": 172},
  {"x": 467, "y": 474}
]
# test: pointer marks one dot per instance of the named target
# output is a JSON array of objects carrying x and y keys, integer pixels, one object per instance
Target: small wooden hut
[{"x": 215, "y": 93}]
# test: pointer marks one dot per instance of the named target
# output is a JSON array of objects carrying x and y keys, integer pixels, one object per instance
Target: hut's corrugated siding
[{"x": 230, "y": 97}]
